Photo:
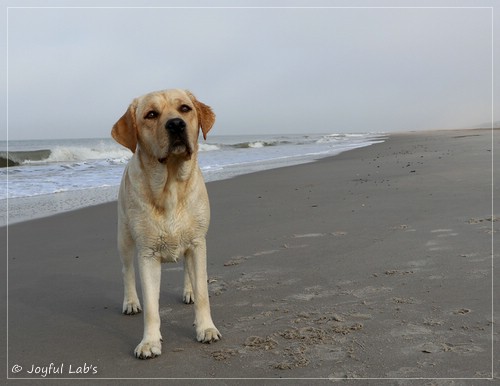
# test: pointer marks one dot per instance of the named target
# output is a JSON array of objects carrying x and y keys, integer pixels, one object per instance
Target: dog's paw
[
  {"x": 131, "y": 307},
  {"x": 148, "y": 349},
  {"x": 208, "y": 335},
  {"x": 188, "y": 297}
]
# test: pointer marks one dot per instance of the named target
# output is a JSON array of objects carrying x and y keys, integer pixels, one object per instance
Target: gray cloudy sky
[{"x": 72, "y": 71}]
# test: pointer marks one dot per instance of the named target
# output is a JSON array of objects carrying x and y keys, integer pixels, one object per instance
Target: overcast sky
[{"x": 72, "y": 72}]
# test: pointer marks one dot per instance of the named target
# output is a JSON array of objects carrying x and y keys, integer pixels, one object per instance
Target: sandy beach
[{"x": 373, "y": 264}]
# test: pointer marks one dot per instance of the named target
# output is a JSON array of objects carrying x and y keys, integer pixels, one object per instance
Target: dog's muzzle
[{"x": 178, "y": 138}]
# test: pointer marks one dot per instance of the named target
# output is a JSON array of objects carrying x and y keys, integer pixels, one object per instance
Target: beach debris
[
  {"x": 224, "y": 354},
  {"x": 297, "y": 358},
  {"x": 462, "y": 311},
  {"x": 326, "y": 319},
  {"x": 433, "y": 322},
  {"x": 259, "y": 343},
  {"x": 234, "y": 261},
  {"x": 403, "y": 300},
  {"x": 216, "y": 286},
  {"x": 398, "y": 272},
  {"x": 344, "y": 330},
  {"x": 474, "y": 220},
  {"x": 309, "y": 335},
  {"x": 402, "y": 227},
  {"x": 431, "y": 348},
  {"x": 283, "y": 366}
]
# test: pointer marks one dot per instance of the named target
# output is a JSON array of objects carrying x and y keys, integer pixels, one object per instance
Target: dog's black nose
[{"x": 175, "y": 125}]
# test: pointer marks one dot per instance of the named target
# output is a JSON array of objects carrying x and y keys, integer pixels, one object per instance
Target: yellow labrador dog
[{"x": 163, "y": 210}]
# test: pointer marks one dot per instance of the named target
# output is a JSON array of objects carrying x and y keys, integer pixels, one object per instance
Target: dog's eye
[
  {"x": 185, "y": 109},
  {"x": 152, "y": 115}
]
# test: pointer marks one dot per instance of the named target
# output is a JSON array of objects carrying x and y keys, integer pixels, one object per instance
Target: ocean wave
[
  {"x": 78, "y": 154},
  {"x": 62, "y": 154},
  {"x": 255, "y": 144},
  {"x": 329, "y": 138},
  {"x": 16, "y": 158},
  {"x": 207, "y": 147}
]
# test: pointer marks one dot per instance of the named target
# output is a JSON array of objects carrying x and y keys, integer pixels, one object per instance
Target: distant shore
[{"x": 375, "y": 263}]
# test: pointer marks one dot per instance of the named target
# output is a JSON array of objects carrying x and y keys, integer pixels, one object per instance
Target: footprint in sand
[{"x": 486, "y": 222}]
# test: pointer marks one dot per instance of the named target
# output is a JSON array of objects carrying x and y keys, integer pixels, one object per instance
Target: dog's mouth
[{"x": 178, "y": 148}]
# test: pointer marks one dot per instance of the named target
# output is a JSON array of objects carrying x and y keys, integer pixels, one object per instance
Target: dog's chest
[
  {"x": 170, "y": 221},
  {"x": 167, "y": 248},
  {"x": 170, "y": 237}
]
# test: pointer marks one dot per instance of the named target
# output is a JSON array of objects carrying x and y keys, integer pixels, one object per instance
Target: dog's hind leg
[
  {"x": 196, "y": 261},
  {"x": 188, "y": 296}
]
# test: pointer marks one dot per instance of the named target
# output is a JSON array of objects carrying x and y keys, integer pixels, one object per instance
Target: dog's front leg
[
  {"x": 150, "y": 272},
  {"x": 196, "y": 264},
  {"x": 126, "y": 248}
]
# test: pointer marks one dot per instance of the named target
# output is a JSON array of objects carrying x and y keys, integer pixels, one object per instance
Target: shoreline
[
  {"x": 375, "y": 263},
  {"x": 21, "y": 209}
]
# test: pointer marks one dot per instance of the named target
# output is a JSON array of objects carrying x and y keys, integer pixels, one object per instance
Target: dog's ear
[
  {"x": 125, "y": 129},
  {"x": 206, "y": 116}
]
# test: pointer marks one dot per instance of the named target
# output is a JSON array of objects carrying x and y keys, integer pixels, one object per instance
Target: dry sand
[{"x": 372, "y": 264}]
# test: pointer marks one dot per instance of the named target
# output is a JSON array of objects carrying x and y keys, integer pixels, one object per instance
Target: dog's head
[{"x": 164, "y": 124}]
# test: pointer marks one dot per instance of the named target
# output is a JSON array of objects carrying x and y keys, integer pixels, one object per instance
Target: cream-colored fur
[{"x": 163, "y": 208}]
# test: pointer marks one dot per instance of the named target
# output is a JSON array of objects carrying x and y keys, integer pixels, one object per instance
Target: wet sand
[{"x": 375, "y": 263}]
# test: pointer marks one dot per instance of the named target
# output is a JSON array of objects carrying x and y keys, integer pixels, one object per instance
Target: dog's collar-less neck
[
  {"x": 144, "y": 158},
  {"x": 179, "y": 158}
]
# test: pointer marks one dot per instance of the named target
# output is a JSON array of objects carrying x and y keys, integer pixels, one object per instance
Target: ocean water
[{"x": 44, "y": 177}]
